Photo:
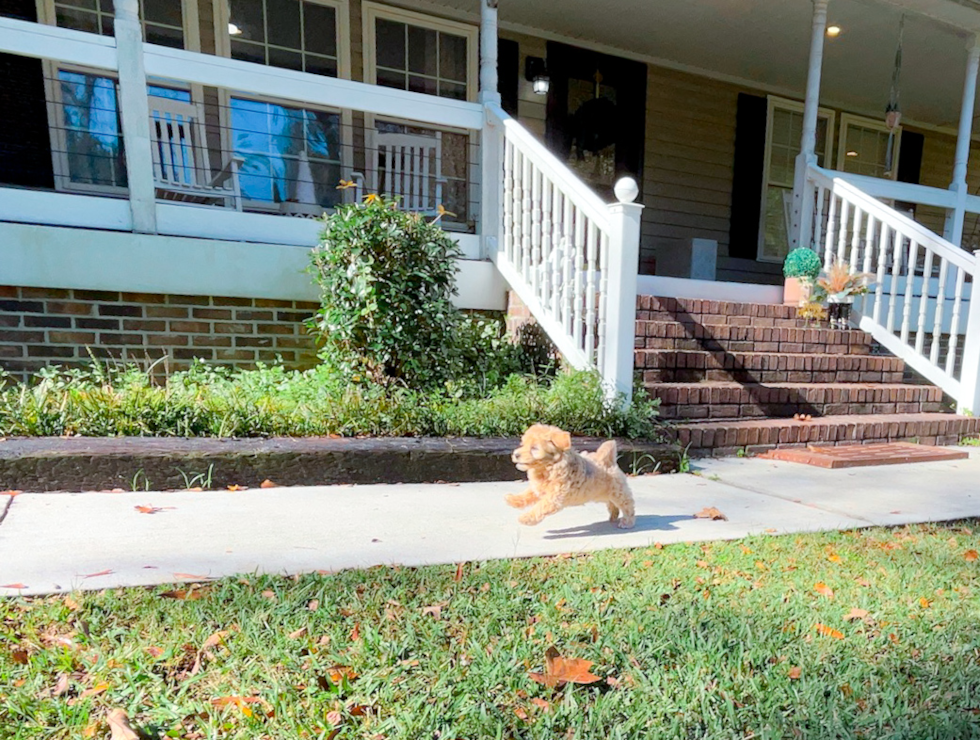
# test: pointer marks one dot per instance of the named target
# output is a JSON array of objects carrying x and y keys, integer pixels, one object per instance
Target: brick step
[
  {"x": 696, "y": 311},
  {"x": 691, "y": 366},
  {"x": 722, "y": 337},
  {"x": 729, "y": 400},
  {"x": 723, "y": 438}
]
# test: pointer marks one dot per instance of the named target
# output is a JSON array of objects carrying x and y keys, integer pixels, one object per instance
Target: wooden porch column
[
  {"x": 954, "y": 218},
  {"x": 802, "y": 216},
  {"x": 488, "y": 52},
  {"x": 134, "y": 112}
]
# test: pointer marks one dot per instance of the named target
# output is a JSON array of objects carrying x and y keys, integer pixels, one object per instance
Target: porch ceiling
[{"x": 767, "y": 41}]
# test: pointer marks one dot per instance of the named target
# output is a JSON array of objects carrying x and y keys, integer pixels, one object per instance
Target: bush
[
  {"x": 211, "y": 401},
  {"x": 386, "y": 279},
  {"x": 802, "y": 263}
]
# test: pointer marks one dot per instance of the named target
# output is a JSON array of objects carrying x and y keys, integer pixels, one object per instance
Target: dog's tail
[{"x": 606, "y": 455}]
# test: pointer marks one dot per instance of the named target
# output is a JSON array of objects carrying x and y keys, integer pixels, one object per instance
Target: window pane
[
  {"x": 422, "y": 85},
  {"x": 390, "y": 44},
  {"x": 78, "y": 20},
  {"x": 320, "y": 29},
  {"x": 452, "y": 90},
  {"x": 248, "y": 52},
  {"x": 167, "y": 12},
  {"x": 388, "y": 78},
  {"x": 87, "y": 4},
  {"x": 323, "y": 135},
  {"x": 422, "y": 51},
  {"x": 286, "y": 59},
  {"x": 108, "y": 25},
  {"x": 247, "y": 15},
  {"x": 165, "y": 36},
  {"x": 169, "y": 93},
  {"x": 283, "y": 23},
  {"x": 321, "y": 66},
  {"x": 452, "y": 57},
  {"x": 94, "y": 145},
  {"x": 326, "y": 175}
]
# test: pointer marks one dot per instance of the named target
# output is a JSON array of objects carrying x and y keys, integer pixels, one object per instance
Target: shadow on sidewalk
[{"x": 644, "y": 523}]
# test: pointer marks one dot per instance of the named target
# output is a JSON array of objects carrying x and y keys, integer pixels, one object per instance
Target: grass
[
  {"x": 724, "y": 640},
  {"x": 271, "y": 401}
]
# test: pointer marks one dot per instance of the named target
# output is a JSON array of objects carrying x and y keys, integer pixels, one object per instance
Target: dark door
[{"x": 596, "y": 114}]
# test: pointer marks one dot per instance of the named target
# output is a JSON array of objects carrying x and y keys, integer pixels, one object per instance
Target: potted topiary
[{"x": 801, "y": 269}]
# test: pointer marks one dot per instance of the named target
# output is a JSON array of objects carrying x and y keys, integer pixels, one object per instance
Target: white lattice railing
[
  {"x": 920, "y": 304},
  {"x": 570, "y": 257}
]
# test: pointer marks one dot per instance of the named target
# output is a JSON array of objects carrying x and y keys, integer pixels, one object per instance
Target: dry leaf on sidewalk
[{"x": 710, "y": 512}]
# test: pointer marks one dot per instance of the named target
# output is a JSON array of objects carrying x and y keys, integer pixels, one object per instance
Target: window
[
  {"x": 413, "y": 52},
  {"x": 783, "y": 135},
  {"x": 295, "y": 34},
  {"x": 163, "y": 20},
  {"x": 865, "y": 146},
  {"x": 291, "y": 155}
]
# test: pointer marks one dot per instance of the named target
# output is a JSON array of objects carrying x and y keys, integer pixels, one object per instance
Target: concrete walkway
[{"x": 58, "y": 542}]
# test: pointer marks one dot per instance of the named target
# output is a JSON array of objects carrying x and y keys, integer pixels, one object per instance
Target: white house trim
[{"x": 847, "y": 120}]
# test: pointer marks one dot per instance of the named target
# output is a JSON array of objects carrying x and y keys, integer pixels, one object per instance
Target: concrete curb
[{"x": 143, "y": 463}]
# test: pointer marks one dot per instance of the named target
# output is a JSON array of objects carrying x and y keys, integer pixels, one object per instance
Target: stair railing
[
  {"x": 571, "y": 258},
  {"x": 920, "y": 303}
]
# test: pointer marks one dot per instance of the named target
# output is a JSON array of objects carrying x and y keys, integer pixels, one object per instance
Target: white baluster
[
  {"x": 568, "y": 259},
  {"x": 818, "y": 225},
  {"x": 920, "y": 330},
  {"x": 828, "y": 249},
  {"x": 536, "y": 262},
  {"x": 880, "y": 275},
  {"x": 526, "y": 173},
  {"x": 604, "y": 298},
  {"x": 518, "y": 200},
  {"x": 909, "y": 283},
  {"x": 898, "y": 242},
  {"x": 578, "y": 305},
  {"x": 508, "y": 245},
  {"x": 556, "y": 259},
  {"x": 590, "y": 290},
  {"x": 954, "y": 328},
  {"x": 856, "y": 238},
  {"x": 547, "y": 246},
  {"x": 937, "y": 329},
  {"x": 842, "y": 235}
]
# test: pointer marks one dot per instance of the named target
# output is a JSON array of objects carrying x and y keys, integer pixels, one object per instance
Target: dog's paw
[
  {"x": 626, "y": 523},
  {"x": 515, "y": 499},
  {"x": 528, "y": 520}
]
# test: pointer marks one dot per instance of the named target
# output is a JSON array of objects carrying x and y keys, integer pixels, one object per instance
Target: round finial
[{"x": 626, "y": 190}]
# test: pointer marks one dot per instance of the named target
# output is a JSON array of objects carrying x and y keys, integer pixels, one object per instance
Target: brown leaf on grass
[
  {"x": 267, "y": 484},
  {"x": 90, "y": 729},
  {"x": 120, "y": 726},
  {"x": 190, "y": 594},
  {"x": 237, "y": 488},
  {"x": 459, "y": 573},
  {"x": 269, "y": 594},
  {"x": 355, "y": 634},
  {"x": 521, "y": 713},
  {"x": 19, "y": 656},
  {"x": 100, "y": 573},
  {"x": 824, "y": 590},
  {"x": 17, "y": 586},
  {"x": 313, "y": 605},
  {"x": 61, "y": 685},
  {"x": 358, "y": 710},
  {"x": 94, "y": 691},
  {"x": 212, "y": 642},
  {"x": 541, "y": 704},
  {"x": 435, "y": 610},
  {"x": 338, "y": 673},
  {"x": 191, "y": 577},
  {"x": 296, "y": 634},
  {"x": 855, "y": 614},
  {"x": 834, "y": 558},
  {"x": 241, "y": 702},
  {"x": 862, "y": 582},
  {"x": 559, "y": 670},
  {"x": 710, "y": 512},
  {"x": 155, "y": 651},
  {"x": 334, "y": 718},
  {"x": 153, "y": 509},
  {"x": 829, "y": 631},
  {"x": 970, "y": 555},
  {"x": 924, "y": 602},
  {"x": 794, "y": 672}
]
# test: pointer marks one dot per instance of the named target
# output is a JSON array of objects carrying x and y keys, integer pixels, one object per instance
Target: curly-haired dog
[{"x": 560, "y": 477}]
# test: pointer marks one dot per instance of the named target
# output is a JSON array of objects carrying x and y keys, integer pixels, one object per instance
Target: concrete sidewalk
[{"x": 59, "y": 542}]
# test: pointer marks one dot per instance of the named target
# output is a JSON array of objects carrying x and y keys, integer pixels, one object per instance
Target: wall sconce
[{"x": 536, "y": 72}]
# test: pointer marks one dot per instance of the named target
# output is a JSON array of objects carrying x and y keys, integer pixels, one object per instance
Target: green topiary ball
[{"x": 802, "y": 262}]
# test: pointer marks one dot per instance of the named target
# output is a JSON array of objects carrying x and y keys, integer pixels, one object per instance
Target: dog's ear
[{"x": 561, "y": 439}]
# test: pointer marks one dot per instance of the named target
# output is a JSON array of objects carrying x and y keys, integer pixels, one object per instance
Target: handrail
[{"x": 40, "y": 41}]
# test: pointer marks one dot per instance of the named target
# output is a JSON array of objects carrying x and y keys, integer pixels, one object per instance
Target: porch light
[
  {"x": 852, "y": 153},
  {"x": 234, "y": 30},
  {"x": 833, "y": 31},
  {"x": 536, "y": 72}
]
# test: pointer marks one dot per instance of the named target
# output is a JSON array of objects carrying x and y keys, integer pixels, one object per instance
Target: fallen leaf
[
  {"x": 61, "y": 685},
  {"x": 120, "y": 726},
  {"x": 190, "y": 594},
  {"x": 17, "y": 586},
  {"x": 152, "y": 509},
  {"x": 435, "y": 610},
  {"x": 90, "y": 729},
  {"x": 924, "y": 602},
  {"x": 313, "y": 605},
  {"x": 710, "y": 512},
  {"x": 893, "y": 637},
  {"x": 195, "y": 489},
  {"x": 834, "y": 558},
  {"x": 72, "y": 604},
  {"x": 267, "y": 594},
  {"x": 296, "y": 634},
  {"x": 191, "y": 577},
  {"x": 541, "y": 704},
  {"x": 862, "y": 582},
  {"x": 355, "y": 634},
  {"x": 155, "y": 651},
  {"x": 237, "y": 488},
  {"x": 559, "y": 670},
  {"x": 521, "y": 714},
  {"x": 338, "y": 673},
  {"x": 94, "y": 691},
  {"x": 19, "y": 656},
  {"x": 824, "y": 590},
  {"x": 214, "y": 640},
  {"x": 829, "y": 631},
  {"x": 100, "y": 573},
  {"x": 794, "y": 672},
  {"x": 459, "y": 573},
  {"x": 267, "y": 484},
  {"x": 970, "y": 555},
  {"x": 334, "y": 718},
  {"x": 241, "y": 702},
  {"x": 358, "y": 710},
  {"x": 855, "y": 614}
]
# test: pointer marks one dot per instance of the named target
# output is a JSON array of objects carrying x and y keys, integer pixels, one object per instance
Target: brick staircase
[{"x": 731, "y": 376}]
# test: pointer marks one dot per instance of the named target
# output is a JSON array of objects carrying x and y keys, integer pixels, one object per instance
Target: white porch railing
[
  {"x": 570, "y": 257},
  {"x": 919, "y": 305}
]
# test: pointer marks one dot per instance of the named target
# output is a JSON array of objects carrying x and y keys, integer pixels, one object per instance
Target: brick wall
[
  {"x": 45, "y": 326},
  {"x": 517, "y": 313}
]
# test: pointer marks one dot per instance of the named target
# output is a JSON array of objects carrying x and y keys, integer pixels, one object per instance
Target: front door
[{"x": 596, "y": 115}]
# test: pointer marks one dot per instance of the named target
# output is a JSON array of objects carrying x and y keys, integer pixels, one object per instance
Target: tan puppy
[{"x": 560, "y": 477}]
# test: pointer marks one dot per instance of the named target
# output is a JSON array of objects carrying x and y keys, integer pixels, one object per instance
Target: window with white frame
[
  {"x": 162, "y": 20},
  {"x": 411, "y": 51},
  {"x": 294, "y": 34},
  {"x": 784, "y": 132},
  {"x": 867, "y": 147}
]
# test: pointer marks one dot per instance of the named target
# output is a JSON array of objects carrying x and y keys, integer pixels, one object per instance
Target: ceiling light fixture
[
  {"x": 833, "y": 31},
  {"x": 852, "y": 153},
  {"x": 234, "y": 30}
]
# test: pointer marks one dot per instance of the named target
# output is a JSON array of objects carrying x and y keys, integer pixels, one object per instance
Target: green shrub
[
  {"x": 386, "y": 279},
  {"x": 802, "y": 263}
]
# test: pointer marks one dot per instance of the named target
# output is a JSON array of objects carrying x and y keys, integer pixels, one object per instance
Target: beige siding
[{"x": 938, "y": 152}]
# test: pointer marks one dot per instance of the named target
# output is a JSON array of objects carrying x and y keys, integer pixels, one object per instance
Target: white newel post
[
  {"x": 491, "y": 144},
  {"x": 969, "y": 399},
  {"x": 802, "y": 194},
  {"x": 134, "y": 112},
  {"x": 954, "y": 218},
  {"x": 623, "y": 264}
]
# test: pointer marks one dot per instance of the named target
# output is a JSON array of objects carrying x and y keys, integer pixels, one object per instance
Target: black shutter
[
  {"x": 508, "y": 73},
  {"x": 750, "y": 155},
  {"x": 24, "y": 10},
  {"x": 910, "y": 157}
]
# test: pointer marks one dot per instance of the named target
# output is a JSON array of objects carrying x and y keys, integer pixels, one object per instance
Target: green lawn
[{"x": 747, "y": 639}]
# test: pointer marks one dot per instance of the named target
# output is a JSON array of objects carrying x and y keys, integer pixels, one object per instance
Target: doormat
[{"x": 860, "y": 456}]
